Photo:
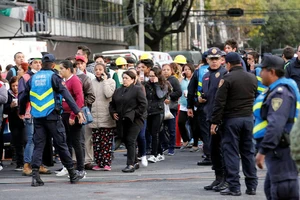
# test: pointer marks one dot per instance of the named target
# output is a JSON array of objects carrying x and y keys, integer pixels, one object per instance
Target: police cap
[
  {"x": 214, "y": 52},
  {"x": 204, "y": 55},
  {"x": 48, "y": 58},
  {"x": 232, "y": 57},
  {"x": 271, "y": 61}
]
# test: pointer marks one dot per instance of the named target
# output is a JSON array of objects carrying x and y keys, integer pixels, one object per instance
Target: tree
[
  {"x": 283, "y": 25},
  {"x": 164, "y": 14}
]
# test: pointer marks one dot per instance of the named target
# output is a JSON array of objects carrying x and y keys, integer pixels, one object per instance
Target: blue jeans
[
  {"x": 29, "y": 145},
  {"x": 142, "y": 140}
]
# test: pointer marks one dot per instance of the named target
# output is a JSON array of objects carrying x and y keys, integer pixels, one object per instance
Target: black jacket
[
  {"x": 293, "y": 71},
  {"x": 235, "y": 95},
  {"x": 176, "y": 92},
  {"x": 13, "y": 113},
  {"x": 156, "y": 97},
  {"x": 130, "y": 103}
]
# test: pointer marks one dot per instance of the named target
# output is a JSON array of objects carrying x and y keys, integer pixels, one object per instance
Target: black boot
[
  {"x": 73, "y": 175},
  {"x": 222, "y": 186},
  {"x": 214, "y": 183},
  {"x": 36, "y": 179}
]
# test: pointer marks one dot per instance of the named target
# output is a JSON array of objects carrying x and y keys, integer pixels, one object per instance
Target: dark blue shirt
[
  {"x": 277, "y": 117},
  {"x": 210, "y": 84}
]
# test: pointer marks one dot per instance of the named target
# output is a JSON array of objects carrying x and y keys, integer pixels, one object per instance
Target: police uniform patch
[
  {"x": 276, "y": 103},
  {"x": 214, "y": 51},
  {"x": 221, "y": 82},
  {"x": 217, "y": 74}
]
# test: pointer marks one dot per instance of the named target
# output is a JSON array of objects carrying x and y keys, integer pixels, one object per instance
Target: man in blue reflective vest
[
  {"x": 275, "y": 111},
  {"x": 43, "y": 90}
]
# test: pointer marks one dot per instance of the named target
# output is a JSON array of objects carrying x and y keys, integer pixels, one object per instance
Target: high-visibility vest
[
  {"x": 42, "y": 99},
  {"x": 202, "y": 70},
  {"x": 260, "y": 86},
  {"x": 261, "y": 124}
]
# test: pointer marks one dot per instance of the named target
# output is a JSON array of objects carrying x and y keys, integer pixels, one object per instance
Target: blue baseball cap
[
  {"x": 272, "y": 61},
  {"x": 232, "y": 57},
  {"x": 48, "y": 58}
]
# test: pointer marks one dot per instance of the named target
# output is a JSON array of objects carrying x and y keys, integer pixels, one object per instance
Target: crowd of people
[{"x": 137, "y": 105}]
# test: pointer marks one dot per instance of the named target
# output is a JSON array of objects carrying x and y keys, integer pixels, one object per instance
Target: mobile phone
[{"x": 142, "y": 75}]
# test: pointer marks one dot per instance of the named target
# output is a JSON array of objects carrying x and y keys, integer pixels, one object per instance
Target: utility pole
[
  {"x": 136, "y": 17},
  {"x": 202, "y": 28},
  {"x": 141, "y": 26}
]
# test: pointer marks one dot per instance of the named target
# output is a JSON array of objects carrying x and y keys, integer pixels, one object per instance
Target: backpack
[{"x": 14, "y": 71}]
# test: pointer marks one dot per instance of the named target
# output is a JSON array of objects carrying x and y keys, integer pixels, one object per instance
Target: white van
[
  {"x": 160, "y": 58},
  {"x": 114, "y": 54}
]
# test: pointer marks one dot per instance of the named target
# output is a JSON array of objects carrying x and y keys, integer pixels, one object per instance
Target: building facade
[{"x": 65, "y": 24}]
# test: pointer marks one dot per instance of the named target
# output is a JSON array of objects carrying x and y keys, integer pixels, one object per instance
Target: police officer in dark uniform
[
  {"x": 44, "y": 91},
  {"x": 196, "y": 113},
  {"x": 233, "y": 106},
  {"x": 210, "y": 82},
  {"x": 275, "y": 111}
]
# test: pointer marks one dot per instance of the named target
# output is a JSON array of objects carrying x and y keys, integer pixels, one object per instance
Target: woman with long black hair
[{"x": 157, "y": 90}]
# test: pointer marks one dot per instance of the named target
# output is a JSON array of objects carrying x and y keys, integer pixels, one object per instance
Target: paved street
[{"x": 178, "y": 177}]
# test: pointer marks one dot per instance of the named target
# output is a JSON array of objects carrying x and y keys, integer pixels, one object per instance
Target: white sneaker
[
  {"x": 63, "y": 172},
  {"x": 2, "y": 167},
  {"x": 152, "y": 159},
  {"x": 144, "y": 161},
  {"x": 160, "y": 157}
]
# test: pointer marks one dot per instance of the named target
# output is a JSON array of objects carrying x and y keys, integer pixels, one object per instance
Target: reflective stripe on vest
[
  {"x": 202, "y": 70},
  {"x": 261, "y": 124},
  {"x": 260, "y": 86},
  {"x": 41, "y": 94}
]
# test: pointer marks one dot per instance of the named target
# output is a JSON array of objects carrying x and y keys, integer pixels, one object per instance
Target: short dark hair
[
  {"x": 98, "y": 56},
  {"x": 15, "y": 56},
  {"x": 278, "y": 72},
  {"x": 255, "y": 55},
  {"x": 130, "y": 74},
  {"x": 7, "y": 68},
  {"x": 232, "y": 43},
  {"x": 47, "y": 65},
  {"x": 149, "y": 63},
  {"x": 288, "y": 52},
  {"x": 68, "y": 65},
  {"x": 70, "y": 58},
  {"x": 85, "y": 49},
  {"x": 13, "y": 80}
]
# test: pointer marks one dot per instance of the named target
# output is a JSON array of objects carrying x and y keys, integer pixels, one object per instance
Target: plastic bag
[{"x": 168, "y": 114}]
